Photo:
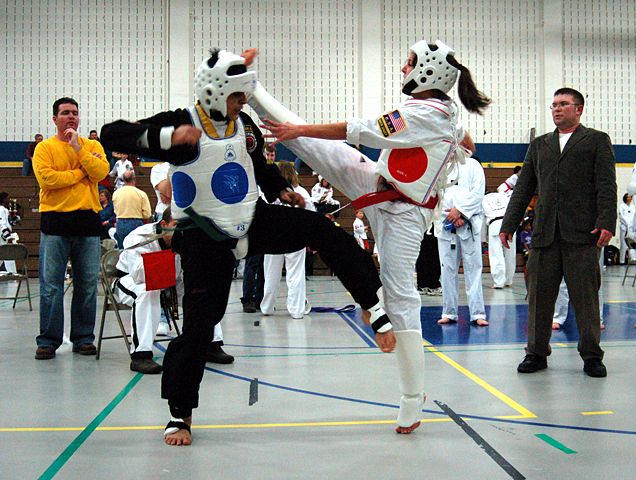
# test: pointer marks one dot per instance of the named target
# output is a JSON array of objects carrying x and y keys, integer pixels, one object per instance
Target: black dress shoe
[
  {"x": 217, "y": 355},
  {"x": 145, "y": 365},
  {"x": 594, "y": 368},
  {"x": 532, "y": 363}
]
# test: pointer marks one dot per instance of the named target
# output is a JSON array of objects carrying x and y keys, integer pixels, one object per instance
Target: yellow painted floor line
[
  {"x": 482, "y": 383},
  {"x": 602, "y": 412},
  {"x": 226, "y": 426},
  {"x": 561, "y": 344}
]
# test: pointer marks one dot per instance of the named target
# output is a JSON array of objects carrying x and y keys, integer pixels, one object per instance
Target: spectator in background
[
  {"x": 322, "y": 196},
  {"x": 294, "y": 263},
  {"x": 27, "y": 163},
  {"x": 526, "y": 237},
  {"x": 160, "y": 181},
  {"x": 427, "y": 266},
  {"x": 270, "y": 154},
  {"x": 92, "y": 135},
  {"x": 625, "y": 217},
  {"x": 6, "y": 231},
  {"x": 509, "y": 185},
  {"x": 132, "y": 208},
  {"x": 122, "y": 165},
  {"x": 68, "y": 168},
  {"x": 106, "y": 214},
  {"x": 360, "y": 231}
]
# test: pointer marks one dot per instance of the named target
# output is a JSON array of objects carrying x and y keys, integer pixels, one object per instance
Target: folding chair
[
  {"x": 20, "y": 254},
  {"x": 108, "y": 275},
  {"x": 629, "y": 264}
]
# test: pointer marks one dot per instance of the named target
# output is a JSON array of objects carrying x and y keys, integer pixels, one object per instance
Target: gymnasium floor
[{"x": 327, "y": 400}]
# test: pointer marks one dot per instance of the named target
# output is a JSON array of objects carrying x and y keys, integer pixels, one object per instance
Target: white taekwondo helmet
[
  {"x": 212, "y": 85},
  {"x": 432, "y": 70}
]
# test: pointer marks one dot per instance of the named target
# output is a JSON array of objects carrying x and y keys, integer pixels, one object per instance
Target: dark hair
[
  {"x": 60, "y": 101},
  {"x": 167, "y": 215},
  {"x": 578, "y": 96},
  {"x": 474, "y": 100},
  {"x": 92, "y": 131},
  {"x": 232, "y": 70},
  {"x": 625, "y": 197},
  {"x": 106, "y": 193},
  {"x": 270, "y": 148}
]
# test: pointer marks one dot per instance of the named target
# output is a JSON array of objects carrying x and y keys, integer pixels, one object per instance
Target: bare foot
[
  {"x": 406, "y": 430},
  {"x": 445, "y": 320},
  {"x": 602, "y": 326},
  {"x": 556, "y": 326},
  {"x": 496, "y": 287},
  {"x": 386, "y": 341},
  {"x": 481, "y": 322},
  {"x": 366, "y": 317},
  {"x": 181, "y": 436}
]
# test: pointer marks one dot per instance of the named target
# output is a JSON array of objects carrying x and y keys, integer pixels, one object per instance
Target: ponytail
[{"x": 474, "y": 100}]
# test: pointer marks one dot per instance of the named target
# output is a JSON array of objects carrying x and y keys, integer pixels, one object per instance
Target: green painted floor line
[
  {"x": 556, "y": 444},
  {"x": 66, "y": 455}
]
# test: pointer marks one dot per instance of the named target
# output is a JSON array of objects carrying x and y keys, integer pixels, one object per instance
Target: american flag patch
[{"x": 391, "y": 123}]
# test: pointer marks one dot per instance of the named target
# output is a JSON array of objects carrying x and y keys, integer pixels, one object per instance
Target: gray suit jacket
[{"x": 576, "y": 188}]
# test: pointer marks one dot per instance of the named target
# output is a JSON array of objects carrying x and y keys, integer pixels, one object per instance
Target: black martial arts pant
[{"x": 208, "y": 266}]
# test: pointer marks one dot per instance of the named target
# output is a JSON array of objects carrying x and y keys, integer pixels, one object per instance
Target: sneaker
[
  {"x": 217, "y": 355},
  {"x": 163, "y": 329},
  {"x": 594, "y": 368},
  {"x": 45, "y": 353},
  {"x": 145, "y": 365},
  {"x": 307, "y": 307},
  {"x": 532, "y": 363},
  {"x": 433, "y": 292},
  {"x": 85, "y": 349}
]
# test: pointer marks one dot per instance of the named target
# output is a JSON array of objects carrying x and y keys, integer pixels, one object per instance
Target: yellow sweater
[{"x": 64, "y": 187}]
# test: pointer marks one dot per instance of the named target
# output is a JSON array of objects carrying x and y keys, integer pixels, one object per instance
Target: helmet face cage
[
  {"x": 212, "y": 86},
  {"x": 432, "y": 70}
]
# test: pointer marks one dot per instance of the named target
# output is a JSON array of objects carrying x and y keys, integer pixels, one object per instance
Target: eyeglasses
[{"x": 554, "y": 106}]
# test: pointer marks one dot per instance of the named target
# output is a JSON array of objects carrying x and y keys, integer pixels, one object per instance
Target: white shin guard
[{"x": 410, "y": 358}]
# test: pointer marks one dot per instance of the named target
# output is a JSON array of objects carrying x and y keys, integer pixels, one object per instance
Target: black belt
[{"x": 495, "y": 219}]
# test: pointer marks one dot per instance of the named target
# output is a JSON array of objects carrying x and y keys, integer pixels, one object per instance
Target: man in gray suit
[{"x": 572, "y": 169}]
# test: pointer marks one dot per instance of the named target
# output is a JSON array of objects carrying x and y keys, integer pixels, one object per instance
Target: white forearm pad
[
  {"x": 268, "y": 107},
  {"x": 410, "y": 359}
]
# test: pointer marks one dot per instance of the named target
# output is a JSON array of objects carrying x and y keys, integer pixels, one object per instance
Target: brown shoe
[
  {"x": 45, "y": 353},
  {"x": 85, "y": 349}
]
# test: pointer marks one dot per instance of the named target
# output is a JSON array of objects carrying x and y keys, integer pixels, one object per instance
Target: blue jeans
[
  {"x": 84, "y": 253},
  {"x": 27, "y": 168},
  {"x": 124, "y": 227},
  {"x": 253, "y": 279}
]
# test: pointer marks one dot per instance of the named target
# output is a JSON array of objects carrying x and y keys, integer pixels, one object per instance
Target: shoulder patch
[
  {"x": 391, "y": 123},
  {"x": 250, "y": 139}
]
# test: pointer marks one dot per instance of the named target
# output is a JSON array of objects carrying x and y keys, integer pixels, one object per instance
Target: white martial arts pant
[
  {"x": 623, "y": 244},
  {"x": 470, "y": 251},
  {"x": 295, "y": 277},
  {"x": 398, "y": 235},
  {"x": 503, "y": 261},
  {"x": 146, "y": 311}
]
